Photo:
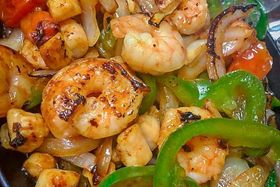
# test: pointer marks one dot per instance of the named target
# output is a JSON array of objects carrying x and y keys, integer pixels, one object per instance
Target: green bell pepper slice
[
  {"x": 127, "y": 173},
  {"x": 106, "y": 43},
  {"x": 215, "y": 8},
  {"x": 150, "y": 98},
  {"x": 186, "y": 91},
  {"x": 239, "y": 94},
  {"x": 237, "y": 133},
  {"x": 35, "y": 99},
  {"x": 271, "y": 180},
  {"x": 275, "y": 102}
]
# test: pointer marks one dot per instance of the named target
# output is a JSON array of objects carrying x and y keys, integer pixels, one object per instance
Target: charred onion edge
[
  {"x": 42, "y": 73},
  {"x": 211, "y": 40}
]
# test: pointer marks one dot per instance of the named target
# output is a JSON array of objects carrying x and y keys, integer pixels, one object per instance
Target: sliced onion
[
  {"x": 255, "y": 176},
  {"x": 277, "y": 171},
  {"x": 194, "y": 50},
  {"x": 85, "y": 160},
  {"x": 43, "y": 73},
  {"x": 14, "y": 41},
  {"x": 89, "y": 21},
  {"x": 212, "y": 109},
  {"x": 165, "y": 10},
  {"x": 215, "y": 62},
  {"x": 236, "y": 37},
  {"x": 233, "y": 167},
  {"x": 68, "y": 147},
  {"x": 148, "y": 6},
  {"x": 122, "y": 9},
  {"x": 166, "y": 99},
  {"x": 194, "y": 69},
  {"x": 104, "y": 156},
  {"x": 109, "y": 5}
]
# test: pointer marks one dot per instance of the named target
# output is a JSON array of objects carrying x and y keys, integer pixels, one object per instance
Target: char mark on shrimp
[
  {"x": 69, "y": 105},
  {"x": 135, "y": 83},
  {"x": 188, "y": 117}
]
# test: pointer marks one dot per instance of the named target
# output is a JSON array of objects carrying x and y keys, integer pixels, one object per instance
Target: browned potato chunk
[
  {"x": 63, "y": 9},
  {"x": 53, "y": 53},
  {"x": 26, "y": 130},
  {"x": 58, "y": 178},
  {"x": 75, "y": 38},
  {"x": 32, "y": 54},
  {"x": 37, "y": 162}
]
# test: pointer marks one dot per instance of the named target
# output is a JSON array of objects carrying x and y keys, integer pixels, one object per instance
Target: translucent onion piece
[
  {"x": 277, "y": 170},
  {"x": 255, "y": 176},
  {"x": 122, "y": 9},
  {"x": 68, "y": 147},
  {"x": 89, "y": 21},
  {"x": 14, "y": 41},
  {"x": 104, "y": 156},
  {"x": 148, "y": 6},
  {"x": 42, "y": 73},
  {"x": 85, "y": 160},
  {"x": 194, "y": 69},
  {"x": 215, "y": 61},
  {"x": 234, "y": 166},
  {"x": 109, "y": 5},
  {"x": 166, "y": 99}
]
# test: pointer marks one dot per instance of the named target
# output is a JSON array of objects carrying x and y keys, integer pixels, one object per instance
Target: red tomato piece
[{"x": 256, "y": 60}]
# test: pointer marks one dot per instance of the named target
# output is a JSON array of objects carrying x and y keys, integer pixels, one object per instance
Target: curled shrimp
[
  {"x": 202, "y": 157},
  {"x": 96, "y": 98},
  {"x": 191, "y": 16},
  {"x": 146, "y": 48}
]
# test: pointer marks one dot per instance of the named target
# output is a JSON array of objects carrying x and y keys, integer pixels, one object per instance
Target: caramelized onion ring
[
  {"x": 68, "y": 147},
  {"x": 215, "y": 62}
]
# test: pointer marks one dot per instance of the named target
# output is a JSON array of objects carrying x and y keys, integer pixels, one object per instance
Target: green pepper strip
[
  {"x": 271, "y": 180},
  {"x": 127, "y": 173},
  {"x": 275, "y": 102},
  {"x": 235, "y": 132},
  {"x": 186, "y": 91},
  {"x": 35, "y": 99},
  {"x": 215, "y": 8},
  {"x": 262, "y": 23},
  {"x": 106, "y": 43},
  {"x": 239, "y": 94},
  {"x": 150, "y": 98}
]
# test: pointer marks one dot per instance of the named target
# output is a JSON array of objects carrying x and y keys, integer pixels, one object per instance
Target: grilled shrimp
[
  {"x": 146, "y": 48},
  {"x": 96, "y": 98},
  {"x": 15, "y": 83},
  {"x": 191, "y": 16},
  {"x": 202, "y": 157}
]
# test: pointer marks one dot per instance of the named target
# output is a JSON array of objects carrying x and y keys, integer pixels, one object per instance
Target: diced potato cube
[
  {"x": 63, "y": 9},
  {"x": 32, "y": 54},
  {"x": 26, "y": 130},
  {"x": 58, "y": 178},
  {"x": 75, "y": 38},
  {"x": 38, "y": 162},
  {"x": 53, "y": 53}
]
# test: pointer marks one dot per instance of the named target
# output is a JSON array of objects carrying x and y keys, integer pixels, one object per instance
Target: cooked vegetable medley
[{"x": 138, "y": 92}]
